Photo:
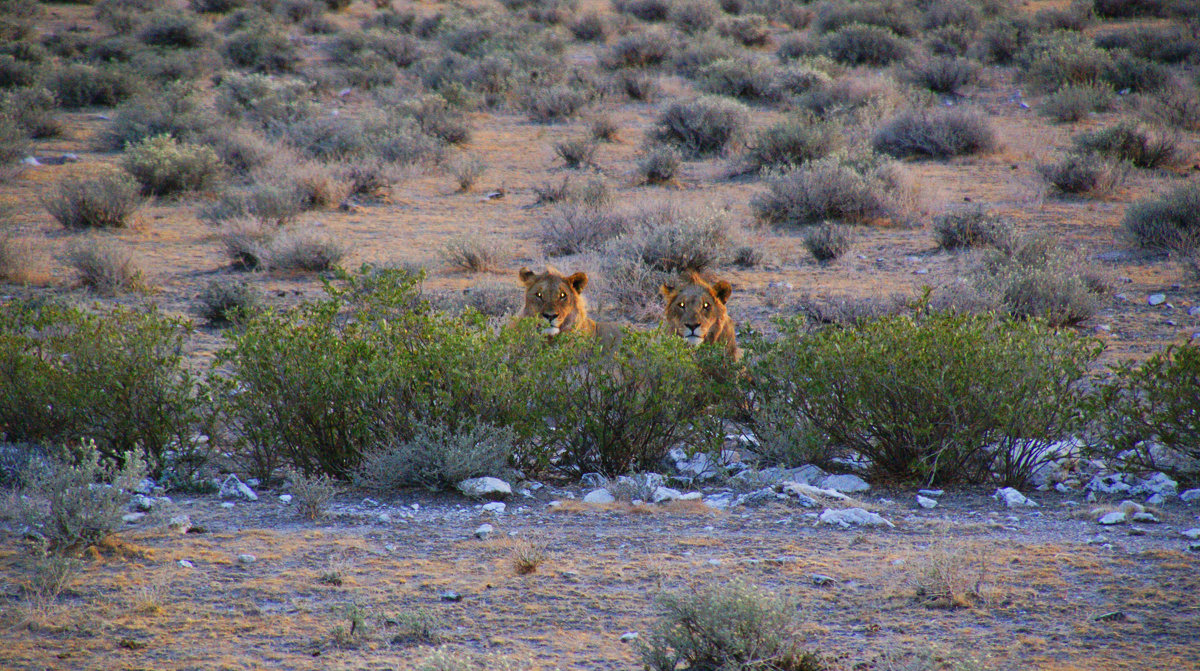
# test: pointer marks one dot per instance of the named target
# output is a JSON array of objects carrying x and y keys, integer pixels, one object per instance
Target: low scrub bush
[
  {"x": 105, "y": 267},
  {"x": 639, "y": 50},
  {"x": 311, "y": 494},
  {"x": 728, "y": 626},
  {"x": 849, "y": 95},
  {"x": 472, "y": 254},
  {"x": 304, "y": 251},
  {"x": 1130, "y": 73},
  {"x": 176, "y": 112},
  {"x": 247, "y": 243},
  {"x": 1076, "y": 16},
  {"x": 165, "y": 166},
  {"x": 1034, "y": 277},
  {"x": 672, "y": 239},
  {"x": 108, "y": 200},
  {"x": 437, "y": 458},
  {"x": 78, "y": 85},
  {"x": 268, "y": 204},
  {"x": 935, "y": 398},
  {"x": 895, "y": 16},
  {"x": 590, "y": 27},
  {"x": 1054, "y": 60},
  {"x": 228, "y": 302},
  {"x": 942, "y": 74},
  {"x": 241, "y": 150},
  {"x": 261, "y": 48},
  {"x": 576, "y": 228},
  {"x": 265, "y": 101},
  {"x": 1132, "y": 143},
  {"x": 1168, "y": 222},
  {"x": 694, "y": 16},
  {"x": 659, "y": 164},
  {"x": 699, "y": 51},
  {"x": 1146, "y": 413},
  {"x": 858, "y": 44},
  {"x": 828, "y": 241},
  {"x": 173, "y": 29},
  {"x": 971, "y": 228},
  {"x": 1085, "y": 174},
  {"x": 746, "y": 78},
  {"x": 76, "y": 501},
  {"x": 704, "y": 126},
  {"x": 554, "y": 104},
  {"x": 576, "y": 153},
  {"x": 935, "y": 134},
  {"x": 117, "y": 377},
  {"x": 32, "y": 109},
  {"x": 793, "y": 143},
  {"x": 1001, "y": 40},
  {"x": 646, "y": 10},
  {"x": 1175, "y": 106},
  {"x": 1075, "y": 102},
  {"x": 1163, "y": 44},
  {"x": 751, "y": 30},
  {"x": 466, "y": 170},
  {"x": 21, "y": 262},
  {"x": 838, "y": 188}
]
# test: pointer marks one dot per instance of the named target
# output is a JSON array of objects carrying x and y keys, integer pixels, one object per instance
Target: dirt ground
[{"x": 1044, "y": 588}]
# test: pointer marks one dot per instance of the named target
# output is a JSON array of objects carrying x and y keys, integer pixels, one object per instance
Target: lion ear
[
  {"x": 722, "y": 290},
  {"x": 578, "y": 281},
  {"x": 667, "y": 290},
  {"x": 527, "y": 276}
]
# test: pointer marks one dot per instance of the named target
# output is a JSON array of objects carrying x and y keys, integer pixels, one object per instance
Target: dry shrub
[
  {"x": 21, "y": 262},
  {"x": 828, "y": 242},
  {"x": 794, "y": 142},
  {"x": 437, "y": 458},
  {"x": 554, "y": 104},
  {"x": 304, "y": 251},
  {"x": 854, "y": 189},
  {"x": 604, "y": 128},
  {"x": 227, "y": 302},
  {"x": 310, "y": 494},
  {"x": 576, "y": 153},
  {"x": 1037, "y": 277},
  {"x": 659, "y": 164},
  {"x": 704, "y": 126},
  {"x": 971, "y": 228},
  {"x": 950, "y": 576},
  {"x": 1085, "y": 174},
  {"x": 1130, "y": 142},
  {"x": 466, "y": 171},
  {"x": 1074, "y": 102},
  {"x": 751, "y": 30},
  {"x": 576, "y": 228},
  {"x": 527, "y": 555},
  {"x": 268, "y": 203},
  {"x": 936, "y": 134},
  {"x": 1175, "y": 106},
  {"x": 247, "y": 242},
  {"x": 105, "y": 266},
  {"x": 867, "y": 95},
  {"x": 472, "y": 254},
  {"x": 942, "y": 74},
  {"x": 858, "y": 44},
  {"x": 105, "y": 201},
  {"x": 1166, "y": 222},
  {"x": 165, "y": 166},
  {"x": 590, "y": 27},
  {"x": 639, "y": 50}
]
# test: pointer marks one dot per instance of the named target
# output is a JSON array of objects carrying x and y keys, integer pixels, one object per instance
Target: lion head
[
  {"x": 555, "y": 300},
  {"x": 695, "y": 311}
]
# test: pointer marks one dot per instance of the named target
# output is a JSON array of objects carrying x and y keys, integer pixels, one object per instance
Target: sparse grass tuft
[
  {"x": 20, "y": 261},
  {"x": 528, "y": 555},
  {"x": 576, "y": 153},
  {"x": 415, "y": 627},
  {"x": 248, "y": 243},
  {"x": 310, "y": 494},
  {"x": 105, "y": 267},
  {"x": 106, "y": 201},
  {"x": 471, "y": 254},
  {"x": 437, "y": 458},
  {"x": 949, "y": 578},
  {"x": 304, "y": 251},
  {"x": 466, "y": 171}
]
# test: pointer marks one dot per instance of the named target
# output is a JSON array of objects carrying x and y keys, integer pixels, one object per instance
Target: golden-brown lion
[
  {"x": 695, "y": 311},
  {"x": 557, "y": 302}
]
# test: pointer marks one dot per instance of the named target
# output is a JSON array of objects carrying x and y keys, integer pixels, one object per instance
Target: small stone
[
  {"x": 822, "y": 579},
  {"x": 1194, "y": 311},
  {"x": 383, "y": 518},
  {"x": 933, "y": 493},
  {"x": 1156, "y": 499},
  {"x": 926, "y": 502},
  {"x": 132, "y": 518},
  {"x": 691, "y": 496},
  {"x": 227, "y": 504},
  {"x": 285, "y": 498},
  {"x": 1190, "y": 495},
  {"x": 485, "y": 488},
  {"x": 186, "y": 564},
  {"x": 1112, "y": 518},
  {"x": 629, "y": 637},
  {"x": 494, "y": 508},
  {"x": 1012, "y": 498},
  {"x": 663, "y": 494},
  {"x": 599, "y": 496},
  {"x": 484, "y": 531},
  {"x": 450, "y": 596},
  {"x": 1145, "y": 517},
  {"x": 246, "y": 559},
  {"x": 180, "y": 523},
  {"x": 1156, "y": 299},
  {"x": 1191, "y": 534},
  {"x": 846, "y": 483},
  {"x": 30, "y": 160},
  {"x": 853, "y": 517},
  {"x": 142, "y": 503},
  {"x": 234, "y": 488}
]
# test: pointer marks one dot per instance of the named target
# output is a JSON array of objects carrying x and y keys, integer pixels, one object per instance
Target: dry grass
[
  {"x": 105, "y": 266},
  {"x": 22, "y": 261},
  {"x": 528, "y": 554},
  {"x": 950, "y": 575}
]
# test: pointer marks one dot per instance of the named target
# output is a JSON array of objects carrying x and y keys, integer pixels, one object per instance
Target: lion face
[
  {"x": 695, "y": 310},
  {"x": 554, "y": 299}
]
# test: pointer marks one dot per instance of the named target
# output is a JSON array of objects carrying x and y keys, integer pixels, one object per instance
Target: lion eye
[
  {"x": 562, "y": 295},
  {"x": 539, "y": 294},
  {"x": 706, "y": 306},
  {"x": 681, "y": 306}
]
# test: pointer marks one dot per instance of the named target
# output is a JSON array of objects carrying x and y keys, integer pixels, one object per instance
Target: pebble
[
  {"x": 485, "y": 488},
  {"x": 1145, "y": 517},
  {"x": 1012, "y": 498},
  {"x": 227, "y": 504},
  {"x": 495, "y": 508},
  {"x": 629, "y": 637},
  {"x": 931, "y": 492},
  {"x": 186, "y": 564},
  {"x": 285, "y": 498},
  {"x": 1112, "y": 518},
  {"x": 1156, "y": 299},
  {"x": 246, "y": 559},
  {"x": 484, "y": 531},
  {"x": 663, "y": 494},
  {"x": 1190, "y": 495},
  {"x": 853, "y": 517},
  {"x": 450, "y": 596},
  {"x": 926, "y": 502},
  {"x": 599, "y": 496},
  {"x": 1191, "y": 534},
  {"x": 846, "y": 483}
]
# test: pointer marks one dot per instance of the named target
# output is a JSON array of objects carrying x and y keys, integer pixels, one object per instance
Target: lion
[
  {"x": 695, "y": 310},
  {"x": 557, "y": 301}
]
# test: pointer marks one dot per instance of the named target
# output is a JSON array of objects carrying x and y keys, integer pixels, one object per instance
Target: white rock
[
  {"x": 845, "y": 483},
  {"x": 246, "y": 559},
  {"x": 629, "y": 637},
  {"x": 853, "y": 517},
  {"x": 926, "y": 502},
  {"x": 1190, "y": 495},
  {"x": 663, "y": 494},
  {"x": 132, "y": 518},
  {"x": 142, "y": 503},
  {"x": 1156, "y": 299},
  {"x": 599, "y": 496},
  {"x": 691, "y": 496},
  {"x": 186, "y": 564},
  {"x": 720, "y": 501},
  {"x": 285, "y": 498},
  {"x": 227, "y": 504},
  {"x": 494, "y": 508},
  {"x": 1012, "y": 498},
  {"x": 801, "y": 489},
  {"x": 485, "y": 488},
  {"x": 180, "y": 523},
  {"x": 383, "y": 518},
  {"x": 1158, "y": 483},
  {"x": 933, "y": 493},
  {"x": 1108, "y": 484},
  {"x": 1113, "y": 518},
  {"x": 1191, "y": 534},
  {"x": 484, "y": 531},
  {"x": 30, "y": 160},
  {"x": 1156, "y": 500},
  {"x": 234, "y": 488},
  {"x": 1145, "y": 517},
  {"x": 1194, "y": 547}
]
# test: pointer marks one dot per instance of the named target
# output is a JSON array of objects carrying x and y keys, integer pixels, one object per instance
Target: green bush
[
  {"x": 751, "y": 30},
  {"x": 942, "y": 74},
  {"x": 1153, "y": 403},
  {"x": 261, "y": 48},
  {"x": 176, "y": 29},
  {"x": 176, "y": 112},
  {"x": 1073, "y": 102},
  {"x": 1137, "y": 74},
  {"x": 746, "y": 78},
  {"x": 1052, "y": 61},
  {"x": 725, "y": 627},
  {"x": 703, "y": 126},
  {"x": 1085, "y": 174},
  {"x": 77, "y": 85},
  {"x": 1131, "y": 143},
  {"x": 108, "y": 200},
  {"x": 935, "y": 134},
  {"x": 857, "y": 44},
  {"x": 75, "y": 501},
  {"x": 1170, "y": 222},
  {"x": 223, "y": 302},
  {"x": 165, "y": 166},
  {"x": 33, "y": 109},
  {"x": 970, "y": 228},
  {"x": 894, "y": 16},
  {"x": 117, "y": 377},
  {"x": 934, "y": 398}
]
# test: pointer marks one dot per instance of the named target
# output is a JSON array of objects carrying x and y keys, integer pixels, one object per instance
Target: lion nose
[
  {"x": 550, "y": 316},
  {"x": 692, "y": 327}
]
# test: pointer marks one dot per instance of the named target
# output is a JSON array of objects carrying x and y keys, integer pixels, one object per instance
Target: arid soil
[{"x": 1044, "y": 588}]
